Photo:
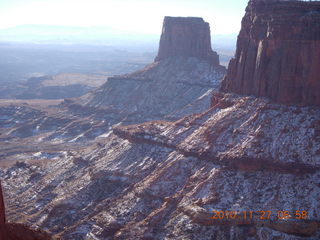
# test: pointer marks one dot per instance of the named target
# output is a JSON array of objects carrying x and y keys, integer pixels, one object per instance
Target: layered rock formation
[
  {"x": 186, "y": 37},
  {"x": 169, "y": 89},
  {"x": 236, "y": 133},
  {"x": 186, "y": 69},
  {"x": 162, "y": 179},
  {"x": 278, "y": 52},
  {"x": 12, "y": 231},
  {"x": 157, "y": 91}
]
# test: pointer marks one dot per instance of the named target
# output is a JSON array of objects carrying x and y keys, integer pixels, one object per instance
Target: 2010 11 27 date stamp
[{"x": 260, "y": 214}]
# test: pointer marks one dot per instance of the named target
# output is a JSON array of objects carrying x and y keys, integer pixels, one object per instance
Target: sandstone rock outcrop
[
  {"x": 186, "y": 37},
  {"x": 278, "y": 53}
]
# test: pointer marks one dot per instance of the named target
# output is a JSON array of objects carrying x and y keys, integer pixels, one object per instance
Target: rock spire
[{"x": 186, "y": 37}]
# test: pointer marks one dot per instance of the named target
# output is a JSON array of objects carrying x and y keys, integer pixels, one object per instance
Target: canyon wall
[
  {"x": 278, "y": 53},
  {"x": 186, "y": 37}
]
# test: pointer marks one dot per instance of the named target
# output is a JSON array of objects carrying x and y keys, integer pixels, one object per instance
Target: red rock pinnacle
[
  {"x": 278, "y": 53},
  {"x": 186, "y": 37}
]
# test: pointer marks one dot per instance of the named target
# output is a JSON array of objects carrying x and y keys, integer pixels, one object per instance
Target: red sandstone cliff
[
  {"x": 278, "y": 52},
  {"x": 186, "y": 37}
]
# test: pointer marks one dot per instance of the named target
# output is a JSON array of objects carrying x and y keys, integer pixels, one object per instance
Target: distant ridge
[{"x": 73, "y": 34}]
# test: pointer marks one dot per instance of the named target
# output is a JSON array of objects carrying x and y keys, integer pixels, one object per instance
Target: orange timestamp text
[{"x": 261, "y": 214}]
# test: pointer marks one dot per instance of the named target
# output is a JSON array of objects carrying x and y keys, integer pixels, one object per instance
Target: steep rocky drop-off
[{"x": 278, "y": 53}]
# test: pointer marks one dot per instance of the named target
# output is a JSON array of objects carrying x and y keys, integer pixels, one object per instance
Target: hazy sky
[{"x": 142, "y": 16}]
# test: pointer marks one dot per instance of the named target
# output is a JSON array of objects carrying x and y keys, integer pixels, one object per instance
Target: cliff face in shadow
[{"x": 278, "y": 53}]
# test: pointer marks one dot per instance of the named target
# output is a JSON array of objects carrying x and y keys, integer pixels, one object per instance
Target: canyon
[{"x": 155, "y": 153}]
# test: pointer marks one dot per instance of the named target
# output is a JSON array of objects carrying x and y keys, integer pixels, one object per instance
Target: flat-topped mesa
[
  {"x": 186, "y": 37},
  {"x": 278, "y": 52}
]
